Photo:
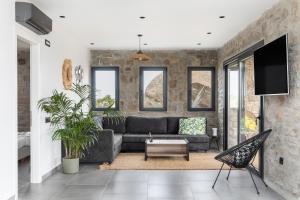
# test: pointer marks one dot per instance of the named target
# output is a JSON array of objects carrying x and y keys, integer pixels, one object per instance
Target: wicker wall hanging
[{"x": 67, "y": 74}]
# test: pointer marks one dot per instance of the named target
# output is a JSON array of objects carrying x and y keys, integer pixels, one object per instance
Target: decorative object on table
[
  {"x": 243, "y": 155},
  {"x": 150, "y": 137},
  {"x": 75, "y": 128},
  {"x": 214, "y": 132},
  {"x": 78, "y": 74},
  {"x": 192, "y": 126},
  {"x": 215, "y": 138},
  {"x": 140, "y": 56},
  {"x": 67, "y": 74},
  {"x": 167, "y": 147}
]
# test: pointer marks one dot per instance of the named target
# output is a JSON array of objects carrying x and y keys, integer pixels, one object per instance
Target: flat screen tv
[{"x": 271, "y": 68}]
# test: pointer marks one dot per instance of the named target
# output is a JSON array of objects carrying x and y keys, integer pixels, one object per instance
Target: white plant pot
[{"x": 70, "y": 166}]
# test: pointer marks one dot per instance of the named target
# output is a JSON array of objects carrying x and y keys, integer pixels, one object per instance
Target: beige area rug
[{"x": 135, "y": 161}]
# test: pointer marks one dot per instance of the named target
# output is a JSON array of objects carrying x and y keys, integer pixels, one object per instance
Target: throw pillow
[
  {"x": 98, "y": 121},
  {"x": 192, "y": 126}
]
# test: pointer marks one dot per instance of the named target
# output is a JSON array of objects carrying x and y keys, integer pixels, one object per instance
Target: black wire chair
[{"x": 243, "y": 155}]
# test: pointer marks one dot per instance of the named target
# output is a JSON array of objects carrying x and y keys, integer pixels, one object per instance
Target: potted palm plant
[{"x": 71, "y": 124}]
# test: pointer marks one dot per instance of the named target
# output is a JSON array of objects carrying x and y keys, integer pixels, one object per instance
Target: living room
[{"x": 181, "y": 83}]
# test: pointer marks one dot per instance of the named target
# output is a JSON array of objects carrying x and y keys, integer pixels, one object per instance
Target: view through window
[
  {"x": 201, "y": 88},
  {"x": 153, "y": 88},
  {"x": 105, "y": 88}
]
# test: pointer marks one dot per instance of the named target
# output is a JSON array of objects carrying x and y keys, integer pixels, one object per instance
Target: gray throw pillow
[{"x": 98, "y": 120}]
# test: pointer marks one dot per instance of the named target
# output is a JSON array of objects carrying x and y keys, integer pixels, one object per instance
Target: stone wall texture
[
  {"x": 176, "y": 63},
  {"x": 282, "y": 113},
  {"x": 23, "y": 91}
]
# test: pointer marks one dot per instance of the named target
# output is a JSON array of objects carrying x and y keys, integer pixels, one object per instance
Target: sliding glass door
[
  {"x": 243, "y": 109},
  {"x": 250, "y": 104},
  {"x": 233, "y": 104}
]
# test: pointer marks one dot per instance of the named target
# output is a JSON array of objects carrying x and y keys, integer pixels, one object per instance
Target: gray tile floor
[
  {"x": 23, "y": 172},
  {"x": 93, "y": 184}
]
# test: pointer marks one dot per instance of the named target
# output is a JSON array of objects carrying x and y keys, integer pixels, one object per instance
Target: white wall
[
  {"x": 63, "y": 46},
  {"x": 48, "y": 78},
  {"x": 8, "y": 101}
]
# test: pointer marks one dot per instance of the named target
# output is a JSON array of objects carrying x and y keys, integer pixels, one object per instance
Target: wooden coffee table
[{"x": 167, "y": 148}]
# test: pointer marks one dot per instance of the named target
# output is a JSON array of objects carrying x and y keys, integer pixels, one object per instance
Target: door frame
[
  {"x": 238, "y": 58},
  {"x": 34, "y": 41}
]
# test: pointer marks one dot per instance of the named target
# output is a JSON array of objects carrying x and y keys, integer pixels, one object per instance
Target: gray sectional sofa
[{"x": 130, "y": 136}]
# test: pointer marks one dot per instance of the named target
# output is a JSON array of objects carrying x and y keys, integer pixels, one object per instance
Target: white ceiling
[{"x": 170, "y": 24}]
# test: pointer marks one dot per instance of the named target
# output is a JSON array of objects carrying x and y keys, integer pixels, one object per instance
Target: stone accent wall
[
  {"x": 23, "y": 91},
  {"x": 176, "y": 62},
  {"x": 282, "y": 113}
]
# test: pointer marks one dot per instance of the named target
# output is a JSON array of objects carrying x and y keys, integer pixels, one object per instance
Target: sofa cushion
[
  {"x": 118, "y": 126},
  {"x": 117, "y": 140},
  {"x": 143, "y": 125},
  {"x": 173, "y": 125},
  {"x": 134, "y": 138},
  {"x": 192, "y": 126}
]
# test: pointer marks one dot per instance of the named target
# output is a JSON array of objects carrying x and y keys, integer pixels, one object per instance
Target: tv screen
[{"x": 271, "y": 68}]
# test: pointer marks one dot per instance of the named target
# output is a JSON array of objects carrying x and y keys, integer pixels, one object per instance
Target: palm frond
[{"x": 75, "y": 128}]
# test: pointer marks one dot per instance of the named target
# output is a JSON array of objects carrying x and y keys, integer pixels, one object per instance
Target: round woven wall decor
[{"x": 67, "y": 74}]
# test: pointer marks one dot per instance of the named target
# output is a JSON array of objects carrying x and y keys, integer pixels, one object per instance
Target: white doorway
[{"x": 34, "y": 44}]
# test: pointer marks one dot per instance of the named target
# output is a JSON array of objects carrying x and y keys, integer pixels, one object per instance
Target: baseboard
[
  {"x": 286, "y": 195},
  {"x": 51, "y": 172}
]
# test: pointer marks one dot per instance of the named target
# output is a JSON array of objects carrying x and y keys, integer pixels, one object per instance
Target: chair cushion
[
  {"x": 141, "y": 138},
  {"x": 143, "y": 125},
  {"x": 173, "y": 125},
  {"x": 118, "y": 127},
  {"x": 192, "y": 126}
]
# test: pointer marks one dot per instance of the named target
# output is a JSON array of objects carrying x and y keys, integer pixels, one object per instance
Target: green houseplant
[{"x": 76, "y": 128}]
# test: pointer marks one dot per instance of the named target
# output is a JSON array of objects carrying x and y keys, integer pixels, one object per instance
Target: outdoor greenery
[
  {"x": 72, "y": 125},
  {"x": 105, "y": 102}
]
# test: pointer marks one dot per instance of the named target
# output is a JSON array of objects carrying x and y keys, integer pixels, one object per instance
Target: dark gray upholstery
[
  {"x": 134, "y": 138},
  {"x": 111, "y": 124},
  {"x": 105, "y": 149},
  {"x": 143, "y": 125},
  {"x": 173, "y": 125},
  {"x": 130, "y": 136}
]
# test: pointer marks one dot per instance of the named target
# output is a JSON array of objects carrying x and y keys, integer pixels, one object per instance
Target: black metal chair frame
[{"x": 229, "y": 156}]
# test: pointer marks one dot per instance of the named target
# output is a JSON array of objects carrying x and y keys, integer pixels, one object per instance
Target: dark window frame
[
  {"x": 141, "y": 88},
  {"x": 94, "y": 69},
  {"x": 213, "y": 88}
]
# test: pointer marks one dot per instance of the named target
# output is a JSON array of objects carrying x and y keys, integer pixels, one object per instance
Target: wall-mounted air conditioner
[{"x": 33, "y": 18}]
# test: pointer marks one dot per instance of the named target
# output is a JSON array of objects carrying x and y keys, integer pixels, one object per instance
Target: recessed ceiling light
[
  {"x": 92, "y": 43},
  {"x": 62, "y": 16},
  {"x": 208, "y": 33},
  {"x": 142, "y": 17},
  {"x": 222, "y": 17}
]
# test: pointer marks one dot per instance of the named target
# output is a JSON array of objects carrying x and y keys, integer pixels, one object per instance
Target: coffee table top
[{"x": 167, "y": 141}]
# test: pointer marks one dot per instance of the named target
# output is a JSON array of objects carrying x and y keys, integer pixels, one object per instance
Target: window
[
  {"x": 105, "y": 88},
  {"x": 153, "y": 89},
  {"x": 201, "y": 88}
]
